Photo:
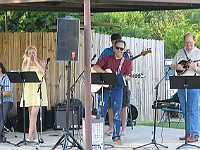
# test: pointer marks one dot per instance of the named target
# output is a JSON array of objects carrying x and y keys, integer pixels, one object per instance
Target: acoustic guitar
[
  {"x": 185, "y": 64},
  {"x": 96, "y": 87}
]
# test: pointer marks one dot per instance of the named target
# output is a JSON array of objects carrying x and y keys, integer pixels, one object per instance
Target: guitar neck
[{"x": 132, "y": 58}]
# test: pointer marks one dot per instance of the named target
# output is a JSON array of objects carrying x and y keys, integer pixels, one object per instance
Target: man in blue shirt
[
  {"x": 128, "y": 55},
  {"x": 6, "y": 95}
]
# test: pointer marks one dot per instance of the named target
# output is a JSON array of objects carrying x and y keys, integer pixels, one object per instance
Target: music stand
[
  {"x": 23, "y": 77},
  {"x": 105, "y": 79},
  {"x": 185, "y": 82}
]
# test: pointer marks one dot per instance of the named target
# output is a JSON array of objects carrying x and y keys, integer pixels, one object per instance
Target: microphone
[
  {"x": 93, "y": 57},
  {"x": 46, "y": 67},
  {"x": 48, "y": 59}
]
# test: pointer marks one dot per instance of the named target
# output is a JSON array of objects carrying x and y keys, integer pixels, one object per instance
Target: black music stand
[
  {"x": 185, "y": 82},
  {"x": 23, "y": 77},
  {"x": 104, "y": 79}
]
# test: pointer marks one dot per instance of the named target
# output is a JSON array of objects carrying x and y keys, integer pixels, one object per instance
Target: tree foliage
[{"x": 169, "y": 26}]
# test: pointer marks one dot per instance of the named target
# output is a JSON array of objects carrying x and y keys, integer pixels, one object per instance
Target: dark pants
[{"x": 7, "y": 106}]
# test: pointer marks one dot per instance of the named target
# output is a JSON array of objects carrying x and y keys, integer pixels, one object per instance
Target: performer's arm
[{"x": 97, "y": 68}]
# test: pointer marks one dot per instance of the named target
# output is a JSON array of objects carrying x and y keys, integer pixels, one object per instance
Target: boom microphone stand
[
  {"x": 153, "y": 141},
  {"x": 65, "y": 137},
  {"x": 40, "y": 139},
  {"x": 3, "y": 131}
]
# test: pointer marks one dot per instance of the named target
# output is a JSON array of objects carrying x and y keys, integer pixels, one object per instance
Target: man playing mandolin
[
  {"x": 120, "y": 65},
  {"x": 186, "y": 63}
]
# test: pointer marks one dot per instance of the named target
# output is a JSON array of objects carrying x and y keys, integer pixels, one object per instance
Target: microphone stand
[
  {"x": 3, "y": 131},
  {"x": 153, "y": 141},
  {"x": 40, "y": 139}
]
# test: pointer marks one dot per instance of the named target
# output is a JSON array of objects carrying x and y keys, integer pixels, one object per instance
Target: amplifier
[{"x": 60, "y": 117}]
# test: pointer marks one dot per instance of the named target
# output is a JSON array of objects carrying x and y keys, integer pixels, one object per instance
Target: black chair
[{"x": 170, "y": 107}]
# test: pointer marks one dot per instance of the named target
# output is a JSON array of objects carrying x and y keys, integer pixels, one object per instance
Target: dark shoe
[
  {"x": 117, "y": 141},
  {"x": 1, "y": 139},
  {"x": 192, "y": 139},
  {"x": 184, "y": 138}
]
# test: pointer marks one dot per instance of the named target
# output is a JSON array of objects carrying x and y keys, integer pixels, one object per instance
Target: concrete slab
[{"x": 138, "y": 136}]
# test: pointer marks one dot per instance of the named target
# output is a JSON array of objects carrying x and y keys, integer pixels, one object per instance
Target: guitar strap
[
  {"x": 186, "y": 54},
  {"x": 120, "y": 67}
]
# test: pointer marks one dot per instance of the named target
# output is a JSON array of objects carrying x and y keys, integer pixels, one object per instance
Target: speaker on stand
[{"x": 67, "y": 43}]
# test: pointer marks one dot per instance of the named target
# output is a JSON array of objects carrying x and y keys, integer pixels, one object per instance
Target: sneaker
[{"x": 117, "y": 141}]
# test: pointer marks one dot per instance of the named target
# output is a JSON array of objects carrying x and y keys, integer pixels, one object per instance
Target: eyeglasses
[{"x": 119, "y": 48}]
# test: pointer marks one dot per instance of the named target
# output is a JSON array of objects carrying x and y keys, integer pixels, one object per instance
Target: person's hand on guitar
[
  {"x": 180, "y": 67},
  {"x": 127, "y": 77},
  {"x": 193, "y": 65}
]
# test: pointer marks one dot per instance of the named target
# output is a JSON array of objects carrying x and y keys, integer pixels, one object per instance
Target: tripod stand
[
  {"x": 65, "y": 137},
  {"x": 23, "y": 77},
  {"x": 185, "y": 82},
  {"x": 153, "y": 141},
  {"x": 2, "y": 112}
]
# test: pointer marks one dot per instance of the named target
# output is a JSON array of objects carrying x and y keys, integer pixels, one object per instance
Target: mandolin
[{"x": 185, "y": 64}]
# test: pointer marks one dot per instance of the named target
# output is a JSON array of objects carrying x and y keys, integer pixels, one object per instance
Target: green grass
[{"x": 165, "y": 124}]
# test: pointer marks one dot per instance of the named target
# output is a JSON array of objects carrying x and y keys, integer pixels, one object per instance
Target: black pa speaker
[
  {"x": 20, "y": 125},
  {"x": 67, "y": 44}
]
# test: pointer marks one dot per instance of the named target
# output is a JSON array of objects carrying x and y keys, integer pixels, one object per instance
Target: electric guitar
[
  {"x": 185, "y": 64},
  {"x": 143, "y": 53},
  {"x": 97, "y": 87}
]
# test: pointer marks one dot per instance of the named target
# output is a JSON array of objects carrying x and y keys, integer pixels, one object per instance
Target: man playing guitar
[{"x": 117, "y": 63}]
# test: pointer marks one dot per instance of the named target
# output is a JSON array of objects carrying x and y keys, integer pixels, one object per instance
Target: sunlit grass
[{"x": 165, "y": 124}]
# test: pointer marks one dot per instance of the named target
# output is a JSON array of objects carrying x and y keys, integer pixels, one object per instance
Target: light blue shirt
[{"x": 6, "y": 86}]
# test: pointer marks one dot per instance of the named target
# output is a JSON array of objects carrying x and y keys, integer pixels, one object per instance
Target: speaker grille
[{"x": 68, "y": 30}]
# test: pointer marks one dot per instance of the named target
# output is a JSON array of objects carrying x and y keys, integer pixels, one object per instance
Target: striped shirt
[{"x": 6, "y": 86}]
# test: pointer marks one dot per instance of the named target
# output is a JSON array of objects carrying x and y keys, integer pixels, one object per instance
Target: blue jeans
[
  {"x": 7, "y": 106},
  {"x": 192, "y": 110},
  {"x": 115, "y": 97}
]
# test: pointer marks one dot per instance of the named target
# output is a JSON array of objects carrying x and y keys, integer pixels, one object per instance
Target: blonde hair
[{"x": 29, "y": 48}]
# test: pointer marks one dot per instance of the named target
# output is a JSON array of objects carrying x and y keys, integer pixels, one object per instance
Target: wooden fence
[{"x": 13, "y": 45}]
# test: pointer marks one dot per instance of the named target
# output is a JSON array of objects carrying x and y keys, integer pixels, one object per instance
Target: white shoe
[
  {"x": 35, "y": 140},
  {"x": 28, "y": 140}
]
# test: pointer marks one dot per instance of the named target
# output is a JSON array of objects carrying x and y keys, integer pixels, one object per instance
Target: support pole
[{"x": 87, "y": 74}]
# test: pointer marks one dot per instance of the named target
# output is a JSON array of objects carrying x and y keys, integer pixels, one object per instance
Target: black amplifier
[{"x": 74, "y": 113}]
